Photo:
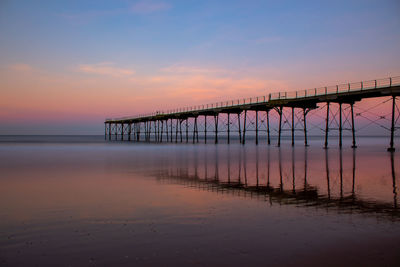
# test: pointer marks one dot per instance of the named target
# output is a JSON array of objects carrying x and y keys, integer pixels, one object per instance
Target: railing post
[
  {"x": 390, "y": 81},
  {"x": 362, "y": 85}
]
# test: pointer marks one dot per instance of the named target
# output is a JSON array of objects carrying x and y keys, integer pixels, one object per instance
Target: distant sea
[{"x": 87, "y": 201}]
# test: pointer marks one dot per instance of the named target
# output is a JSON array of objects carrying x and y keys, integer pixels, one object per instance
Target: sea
[{"x": 87, "y": 201}]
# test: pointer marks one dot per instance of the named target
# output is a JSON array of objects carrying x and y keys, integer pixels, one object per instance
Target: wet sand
[{"x": 69, "y": 203}]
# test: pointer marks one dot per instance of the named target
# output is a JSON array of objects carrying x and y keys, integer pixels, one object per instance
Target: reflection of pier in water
[{"x": 236, "y": 177}]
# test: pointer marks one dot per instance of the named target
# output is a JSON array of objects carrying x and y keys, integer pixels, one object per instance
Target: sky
[{"x": 65, "y": 66}]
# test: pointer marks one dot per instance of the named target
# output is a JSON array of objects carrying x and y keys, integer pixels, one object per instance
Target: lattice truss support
[{"x": 266, "y": 124}]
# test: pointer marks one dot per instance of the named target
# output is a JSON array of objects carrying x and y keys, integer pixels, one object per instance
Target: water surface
[{"x": 71, "y": 201}]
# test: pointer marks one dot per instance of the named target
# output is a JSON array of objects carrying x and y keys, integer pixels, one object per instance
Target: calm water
[{"x": 80, "y": 201}]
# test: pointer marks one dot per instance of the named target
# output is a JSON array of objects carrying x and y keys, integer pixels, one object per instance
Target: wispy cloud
[
  {"x": 106, "y": 68},
  {"x": 148, "y": 6},
  {"x": 186, "y": 69},
  {"x": 20, "y": 67}
]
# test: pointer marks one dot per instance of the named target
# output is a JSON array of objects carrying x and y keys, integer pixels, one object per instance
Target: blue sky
[{"x": 141, "y": 49}]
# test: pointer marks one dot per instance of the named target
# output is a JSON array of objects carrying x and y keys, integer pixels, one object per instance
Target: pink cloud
[
  {"x": 20, "y": 67},
  {"x": 105, "y": 68}
]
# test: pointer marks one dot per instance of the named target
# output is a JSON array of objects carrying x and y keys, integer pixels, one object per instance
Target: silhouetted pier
[{"x": 168, "y": 126}]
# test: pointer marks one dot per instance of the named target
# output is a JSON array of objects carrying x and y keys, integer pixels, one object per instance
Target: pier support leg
[
  {"x": 280, "y": 109},
  {"x": 256, "y": 127},
  {"x": 244, "y": 128},
  {"x": 162, "y": 130},
  {"x": 391, "y": 147},
  {"x": 268, "y": 138},
  {"x": 305, "y": 125},
  {"x": 216, "y": 128},
  {"x": 138, "y": 132},
  {"x": 327, "y": 125},
  {"x": 129, "y": 131},
  {"x": 228, "y": 129},
  {"x": 109, "y": 131},
  {"x": 205, "y": 129},
  {"x": 352, "y": 126},
  {"x": 240, "y": 132},
  {"x": 187, "y": 131},
  {"x": 166, "y": 129},
  {"x": 292, "y": 126},
  {"x": 116, "y": 131},
  {"x": 197, "y": 129},
  {"x": 122, "y": 131},
  {"x": 180, "y": 130},
  {"x": 340, "y": 125},
  {"x": 105, "y": 131},
  {"x": 194, "y": 132},
  {"x": 176, "y": 131},
  {"x": 171, "y": 130}
]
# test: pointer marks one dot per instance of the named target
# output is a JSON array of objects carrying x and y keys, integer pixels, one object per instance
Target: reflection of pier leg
[
  {"x": 394, "y": 181},
  {"x": 327, "y": 174},
  {"x": 341, "y": 172},
  {"x": 352, "y": 126},
  {"x": 257, "y": 167},
  {"x": 305, "y": 168},
  {"x": 268, "y": 139},
  {"x": 245, "y": 167},
  {"x": 292, "y": 126},
  {"x": 354, "y": 173},
  {"x": 327, "y": 126},
  {"x": 256, "y": 127},
  {"x": 240, "y": 165},
  {"x": 229, "y": 165},
  {"x": 293, "y": 173},
  {"x": 391, "y": 148},
  {"x": 244, "y": 128},
  {"x": 268, "y": 169},
  {"x": 340, "y": 125},
  {"x": 280, "y": 171}
]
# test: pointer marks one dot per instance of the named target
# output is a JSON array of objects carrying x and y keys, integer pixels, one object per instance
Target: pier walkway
[{"x": 166, "y": 126}]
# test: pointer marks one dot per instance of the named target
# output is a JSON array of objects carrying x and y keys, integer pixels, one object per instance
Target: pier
[{"x": 253, "y": 114}]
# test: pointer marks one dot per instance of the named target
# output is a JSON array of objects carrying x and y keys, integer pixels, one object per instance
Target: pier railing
[{"x": 301, "y": 94}]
